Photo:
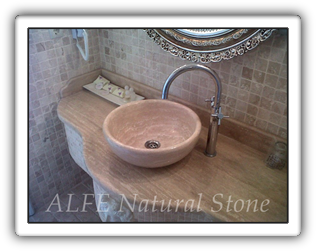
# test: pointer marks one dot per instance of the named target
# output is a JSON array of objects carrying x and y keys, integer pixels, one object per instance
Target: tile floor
[{"x": 70, "y": 208}]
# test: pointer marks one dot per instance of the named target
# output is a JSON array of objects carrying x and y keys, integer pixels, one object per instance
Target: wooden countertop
[{"x": 227, "y": 182}]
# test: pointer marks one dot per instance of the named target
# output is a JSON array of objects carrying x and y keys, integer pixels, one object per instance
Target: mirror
[{"x": 208, "y": 45}]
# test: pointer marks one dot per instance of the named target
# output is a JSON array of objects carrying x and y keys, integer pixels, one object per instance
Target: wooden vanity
[{"x": 235, "y": 186}]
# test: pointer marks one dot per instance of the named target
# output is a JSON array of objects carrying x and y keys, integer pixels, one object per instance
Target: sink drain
[{"x": 152, "y": 144}]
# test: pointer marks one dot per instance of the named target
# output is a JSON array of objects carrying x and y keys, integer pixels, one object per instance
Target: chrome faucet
[{"x": 216, "y": 110}]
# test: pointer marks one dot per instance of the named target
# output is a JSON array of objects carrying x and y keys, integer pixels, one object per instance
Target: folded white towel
[
  {"x": 119, "y": 92},
  {"x": 110, "y": 87},
  {"x": 100, "y": 82}
]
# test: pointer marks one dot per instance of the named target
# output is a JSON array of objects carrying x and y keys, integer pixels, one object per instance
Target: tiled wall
[
  {"x": 254, "y": 85},
  {"x": 51, "y": 63},
  {"x": 254, "y": 91}
]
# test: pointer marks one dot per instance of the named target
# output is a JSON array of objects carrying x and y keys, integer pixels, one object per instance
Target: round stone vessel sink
[{"x": 152, "y": 133}]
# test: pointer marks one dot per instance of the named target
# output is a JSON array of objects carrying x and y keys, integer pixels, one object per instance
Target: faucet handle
[
  {"x": 219, "y": 115},
  {"x": 212, "y": 100}
]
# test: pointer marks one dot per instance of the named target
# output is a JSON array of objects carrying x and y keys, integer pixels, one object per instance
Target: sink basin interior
[
  {"x": 132, "y": 130},
  {"x": 165, "y": 124}
]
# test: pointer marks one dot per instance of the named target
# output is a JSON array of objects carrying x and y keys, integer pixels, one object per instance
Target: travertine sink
[{"x": 152, "y": 133}]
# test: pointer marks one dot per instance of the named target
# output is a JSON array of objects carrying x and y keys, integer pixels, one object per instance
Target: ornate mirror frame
[{"x": 208, "y": 45}]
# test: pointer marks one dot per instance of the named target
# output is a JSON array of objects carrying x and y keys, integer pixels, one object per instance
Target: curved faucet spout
[
  {"x": 216, "y": 114},
  {"x": 185, "y": 68}
]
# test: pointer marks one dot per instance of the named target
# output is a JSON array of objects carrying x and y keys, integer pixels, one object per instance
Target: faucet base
[{"x": 209, "y": 155}]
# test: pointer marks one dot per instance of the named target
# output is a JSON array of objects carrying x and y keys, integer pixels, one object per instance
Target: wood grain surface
[{"x": 229, "y": 182}]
